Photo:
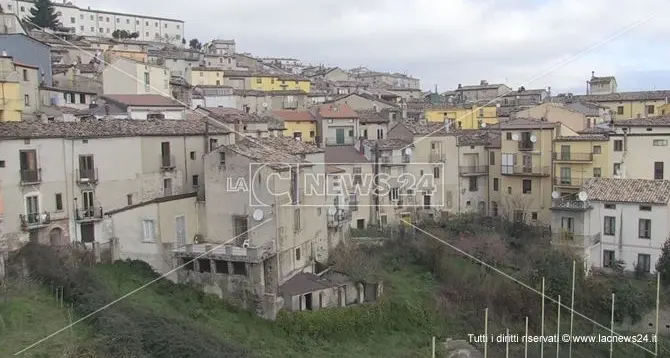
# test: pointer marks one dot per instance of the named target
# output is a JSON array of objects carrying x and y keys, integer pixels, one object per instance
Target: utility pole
[{"x": 375, "y": 171}]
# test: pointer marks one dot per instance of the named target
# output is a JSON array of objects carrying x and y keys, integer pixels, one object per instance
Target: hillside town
[{"x": 197, "y": 159}]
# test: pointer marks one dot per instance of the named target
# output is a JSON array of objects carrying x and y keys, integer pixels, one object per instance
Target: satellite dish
[
  {"x": 408, "y": 151},
  {"x": 258, "y": 215},
  {"x": 483, "y": 125},
  {"x": 555, "y": 194},
  {"x": 533, "y": 139},
  {"x": 497, "y": 105},
  {"x": 515, "y": 137},
  {"x": 582, "y": 196},
  {"x": 332, "y": 210}
]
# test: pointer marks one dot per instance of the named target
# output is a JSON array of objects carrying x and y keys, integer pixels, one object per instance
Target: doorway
[{"x": 308, "y": 302}]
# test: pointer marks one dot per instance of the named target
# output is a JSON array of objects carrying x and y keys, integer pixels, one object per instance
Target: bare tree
[{"x": 515, "y": 205}]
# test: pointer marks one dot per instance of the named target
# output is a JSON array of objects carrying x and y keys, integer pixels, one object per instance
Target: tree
[
  {"x": 183, "y": 41},
  {"x": 43, "y": 15},
  {"x": 116, "y": 34},
  {"x": 663, "y": 263},
  {"x": 195, "y": 44}
]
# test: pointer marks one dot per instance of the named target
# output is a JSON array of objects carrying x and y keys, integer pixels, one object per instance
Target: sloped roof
[{"x": 641, "y": 191}]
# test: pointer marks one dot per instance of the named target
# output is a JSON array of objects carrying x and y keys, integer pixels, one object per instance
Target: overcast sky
[{"x": 535, "y": 43}]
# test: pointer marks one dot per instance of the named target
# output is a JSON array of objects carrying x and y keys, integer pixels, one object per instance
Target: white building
[
  {"x": 127, "y": 76},
  {"x": 621, "y": 222},
  {"x": 137, "y": 107},
  {"x": 90, "y": 22}
]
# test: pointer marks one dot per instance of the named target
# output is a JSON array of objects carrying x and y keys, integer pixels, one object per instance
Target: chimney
[
  {"x": 483, "y": 83},
  {"x": 593, "y": 74},
  {"x": 459, "y": 86},
  {"x": 106, "y": 109}
]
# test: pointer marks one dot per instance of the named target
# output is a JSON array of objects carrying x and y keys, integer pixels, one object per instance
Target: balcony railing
[
  {"x": 35, "y": 220},
  {"x": 89, "y": 214},
  {"x": 570, "y": 204},
  {"x": 31, "y": 176},
  {"x": 87, "y": 176},
  {"x": 437, "y": 157},
  {"x": 526, "y": 146},
  {"x": 473, "y": 170},
  {"x": 573, "y": 157},
  {"x": 569, "y": 182},
  {"x": 339, "y": 219},
  {"x": 405, "y": 158},
  {"x": 290, "y": 104},
  {"x": 167, "y": 161},
  {"x": 566, "y": 238},
  {"x": 521, "y": 170},
  {"x": 345, "y": 141}
]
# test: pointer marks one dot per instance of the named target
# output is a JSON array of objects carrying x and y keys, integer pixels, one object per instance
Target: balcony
[
  {"x": 570, "y": 239},
  {"x": 570, "y": 205},
  {"x": 573, "y": 157},
  {"x": 339, "y": 219},
  {"x": 473, "y": 170},
  {"x": 89, "y": 214},
  {"x": 525, "y": 146},
  {"x": 569, "y": 182},
  {"x": 87, "y": 176},
  {"x": 31, "y": 176},
  {"x": 526, "y": 171},
  {"x": 343, "y": 141},
  {"x": 437, "y": 157},
  {"x": 391, "y": 161},
  {"x": 290, "y": 104},
  {"x": 406, "y": 158},
  {"x": 167, "y": 162},
  {"x": 34, "y": 220}
]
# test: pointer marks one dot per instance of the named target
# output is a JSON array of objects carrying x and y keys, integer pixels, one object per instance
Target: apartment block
[
  {"x": 578, "y": 158},
  {"x": 638, "y": 147},
  {"x": 621, "y": 223},
  {"x": 127, "y": 76}
]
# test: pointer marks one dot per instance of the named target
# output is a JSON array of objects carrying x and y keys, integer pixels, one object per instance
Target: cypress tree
[{"x": 43, "y": 16}]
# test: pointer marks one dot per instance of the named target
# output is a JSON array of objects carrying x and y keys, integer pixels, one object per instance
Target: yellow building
[
  {"x": 627, "y": 105},
  {"x": 11, "y": 92},
  {"x": 520, "y": 170},
  {"x": 279, "y": 82},
  {"x": 299, "y": 124},
  {"x": 133, "y": 55},
  {"x": 577, "y": 158},
  {"x": 205, "y": 76},
  {"x": 465, "y": 117}
]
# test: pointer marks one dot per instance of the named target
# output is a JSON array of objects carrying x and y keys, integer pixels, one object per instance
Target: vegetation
[
  {"x": 123, "y": 34},
  {"x": 195, "y": 44},
  {"x": 663, "y": 263},
  {"x": 43, "y": 16},
  {"x": 430, "y": 289}
]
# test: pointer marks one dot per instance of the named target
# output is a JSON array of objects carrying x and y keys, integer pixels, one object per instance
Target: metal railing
[
  {"x": 406, "y": 158},
  {"x": 473, "y": 169},
  {"x": 31, "y": 176},
  {"x": 33, "y": 220},
  {"x": 567, "y": 238},
  {"x": 290, "y": 104},
  {"x": 576, "y": 182},
  {"x": 573, "y": 157},
  {"x": 345, "y": 141},
  {"x": 167, "y": 161},
  {"x": 525, "y": 146},
  {"x": 436, "y": 157},
  {"x": 339, "y": 218},
  {"x": 570, "y": 204},
  {"x": 92, "y": 213},
  {"x": 87, "y": 175},
  {"x": 524, "y": 170}
]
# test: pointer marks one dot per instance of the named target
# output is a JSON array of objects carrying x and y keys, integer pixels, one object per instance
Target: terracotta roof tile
[
  {"x": 641, "y": 191},
  {"x": 372, "y": 116},
  {"x": 294, "y": 116},
  {"x": 336, "y": 111},
  {"x": 344, "y": 155},
  {"x": 142, "y": 100}
]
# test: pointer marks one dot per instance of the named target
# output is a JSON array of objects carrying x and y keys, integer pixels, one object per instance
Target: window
[
  {"x": 73, "y": 20},
  {"x": 597, "y": 149},
  {"x": 492, "y": 158},
  {"x": 59, "y": 202},
  {"x": 533, "y": 215},
  {"x": 192, "y": 155},
  {"x": 645, "y": 207},
  {"x": 380, "y": 133},
  {"x": 608, "y": 258},
  {"x": 129, "y": 199},
  {"x": 222, "y": 158},
  {"x": 165, "y": 25},
  {"x": 610, "y": 206},
  {"x": 610, "y": 225},
  {"x": 167, "y": 187},
  {"x": 107, "y": 19},
  {"x": 259, "y": 80},
  {"x": 527, "y": 186},
  {"x": 436, "y": 172},
  {"x": 473, "y": 184},
  {"x": 311, "y": 134},
  {"x": 616, "y": 169},
  {"x": 658, "y": 170},
  {"x": 102, "y": 30},
  {"x": 128, "y": 21},
  {"x": 481, "y": 112},
  {"x": 619, "y": 110},
  {"x": 644, "y": 229},
  {"x": 26, "y": 100},
  {"x": 146, "y": 23},
  {"x": 518, "y": 216},
  {"x": 644, "y": 263},
  {"x": 508, "y": 135},
  {"x": 2, "y": 163},
  {"x": 148, "y": 230},
  {"x": 358, "y": 178},
  {"x": 494, "y": 208},
  {"x": 81, "y": 28},
  {"x": 25, "y": 75},
  {"x": 650, "y": 109},
  {"x": 213, "y": 143},
  {"x": 495, "y": 184},
  {"x": 393, "y": 194},
  {"x": 147, "y": 79},
  {"x": 195, "y": 181},
  {"x": 618, "y": 145},
  {"x": 597, "y": 172},
  {"x": 353, "y": 202},
  {"x": 108, "y": 30},
  {"x": 297, "y": 254},
  {"x": 426, "y": 201},
  {"x": 82, "y": 98},
  {"x": 296, "y": 220},
  {"x": 660, "y": 142}
]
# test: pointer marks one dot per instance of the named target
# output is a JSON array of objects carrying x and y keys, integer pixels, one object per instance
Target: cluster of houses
[{"x": 200, "y": 159}]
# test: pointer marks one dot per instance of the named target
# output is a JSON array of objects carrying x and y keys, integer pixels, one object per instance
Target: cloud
[{"x": 441, "y": 42}]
